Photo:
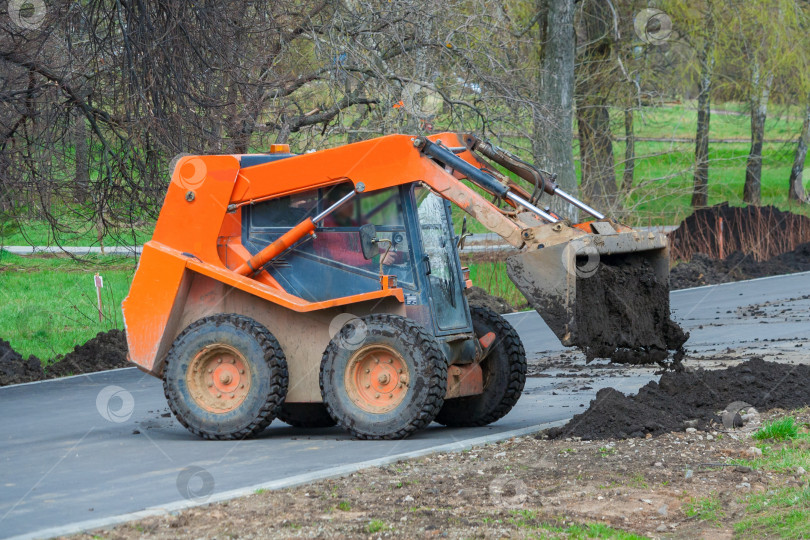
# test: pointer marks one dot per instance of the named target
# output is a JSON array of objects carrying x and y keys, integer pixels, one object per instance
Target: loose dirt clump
[
  {"x": 622, "y": 313},
  {"x": 479, "y": 297},
  {"x": 14, "y": 369},
  {"x": 697, "y": 397},
  {"x": 108, "y": 350},
  {"x": 705, "y": 270}
]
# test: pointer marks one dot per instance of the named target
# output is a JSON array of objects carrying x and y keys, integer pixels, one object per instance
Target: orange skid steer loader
[{"x": 326, "y": 288}]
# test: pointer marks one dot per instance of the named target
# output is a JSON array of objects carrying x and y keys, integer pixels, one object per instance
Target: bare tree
[
  {"x": 553, "y": 114},
  {"x": 595, "y": 78},
  {"x": 700, "y": 193},
  {"x": 796, "y": 191}
]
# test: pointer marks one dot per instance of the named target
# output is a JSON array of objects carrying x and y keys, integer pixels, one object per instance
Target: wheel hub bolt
[
  {"x": 376, "y": 395},
  {"x": 219, "y": 395},
  {"x": 219, "y": 360},
  {"x": 383, "y": 378},
  {"x": 241, "y": 371},
  {"x": 225, "y": 378}
]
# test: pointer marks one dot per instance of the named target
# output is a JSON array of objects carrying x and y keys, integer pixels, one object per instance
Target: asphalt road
[{"x": 69, "y": 451}]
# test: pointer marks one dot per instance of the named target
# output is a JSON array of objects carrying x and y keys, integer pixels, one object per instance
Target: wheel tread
[
  {"x": 516, "y": 355},
  {"x": 273, "y": 356},
  {"x": 438, "y": 381}
]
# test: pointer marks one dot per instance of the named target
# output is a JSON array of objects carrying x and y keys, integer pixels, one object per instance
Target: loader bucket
[{"x": 606, "y": 294}]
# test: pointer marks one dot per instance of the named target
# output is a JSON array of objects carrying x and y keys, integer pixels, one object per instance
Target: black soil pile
[
  {"x": 759, "y": 231},
  {"x": 622, "y": 313},
  {"x": 14, "y": 369},
  {"x": 697, "y": 397},
  {"x": 108, "y": 350},
  {"x": 705, "y": 270},
  {"x": 476, "y": 296}
]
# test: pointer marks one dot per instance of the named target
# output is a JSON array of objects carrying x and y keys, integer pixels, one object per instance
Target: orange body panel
[{"x": 199, "y": 227}]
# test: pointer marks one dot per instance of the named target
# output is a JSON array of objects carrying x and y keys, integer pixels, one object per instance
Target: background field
[{"x": 48, "y": 304}]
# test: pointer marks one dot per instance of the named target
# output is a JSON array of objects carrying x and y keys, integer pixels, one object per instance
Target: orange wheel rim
[
  {"x": 377, "y": 379},
  {"x": 218, "y": 378}
]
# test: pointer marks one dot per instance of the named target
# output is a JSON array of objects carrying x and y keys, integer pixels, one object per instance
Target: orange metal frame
[{"x": 199, "y": 227}]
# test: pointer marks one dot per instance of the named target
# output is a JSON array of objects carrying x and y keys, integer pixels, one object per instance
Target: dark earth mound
[
  {"x": 108, "y": 350},
  {"x": 479, "y": 297},
  {"x": 622, "y": 313},
  {"x": 705, "y": 270},
  {"x": 680, "y": 396},
  {"x": 761, "y": 231},
  {"x": 14, "y": 369}
]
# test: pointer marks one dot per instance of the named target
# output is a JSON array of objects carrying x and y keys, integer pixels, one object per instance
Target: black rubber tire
[
  {"x": 504, "y": 375},
  {"x": 427, "y": 385},
  {"x": 268, "y": 370},
  {"x": 305, "y": 415}
]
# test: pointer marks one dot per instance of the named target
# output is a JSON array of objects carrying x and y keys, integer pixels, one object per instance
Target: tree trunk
[
  {"x": 700, "y": 194},
  {"x": 81, "y": 178},
  {"x": 796, "y": 191},
  {"x": 760, "y": 92},
  {"x": 594, "y": 77},
  {"x": 553, "y": 116},
  {"x": 629, "y": 151}
]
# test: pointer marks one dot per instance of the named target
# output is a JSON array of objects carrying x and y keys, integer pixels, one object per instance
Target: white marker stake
[{"x": 99, "y": 284}]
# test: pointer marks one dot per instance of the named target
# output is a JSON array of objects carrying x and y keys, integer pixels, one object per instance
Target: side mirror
[{"x": 368, "y": 239}]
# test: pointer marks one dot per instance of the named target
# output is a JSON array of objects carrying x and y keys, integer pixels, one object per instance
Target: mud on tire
[
  {"x": 387, "y": 386},
  {"x": 305, "y": 415},
  {"x": 225, "y": 377},
  {"x": 504, "y": 375}
]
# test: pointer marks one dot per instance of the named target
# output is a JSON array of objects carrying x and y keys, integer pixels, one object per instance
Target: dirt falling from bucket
[{"x": 622, "y": 313}]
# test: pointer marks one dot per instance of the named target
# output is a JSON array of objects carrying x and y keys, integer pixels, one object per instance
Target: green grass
[
  {"x": 491, "y": 276},
  {"x": 705, "y": 509},
  {"x": 48, "y": 304},
  {"x": 529, "y": 521},
  {"x": 70, "y": 232},
  {"x": 375, "y": 525},
  {"x": 781, "y": 512},
  {"x": 778, "y": 430},
  {"x": 344, "y": 506}
]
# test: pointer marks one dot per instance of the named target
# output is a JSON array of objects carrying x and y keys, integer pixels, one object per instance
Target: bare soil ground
[{"x": 679, "y": 485}]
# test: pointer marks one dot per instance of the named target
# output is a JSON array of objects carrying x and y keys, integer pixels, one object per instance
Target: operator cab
[{"x": 413, "y": 242}]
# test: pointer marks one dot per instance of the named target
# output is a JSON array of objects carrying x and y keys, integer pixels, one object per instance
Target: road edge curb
[{"x": 292, "y": 481}]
